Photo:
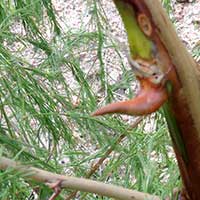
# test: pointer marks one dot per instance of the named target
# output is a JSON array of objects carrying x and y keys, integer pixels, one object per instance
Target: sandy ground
[
  {"x": 75, "y": 14},
  {"x": 186, "y": 16}
]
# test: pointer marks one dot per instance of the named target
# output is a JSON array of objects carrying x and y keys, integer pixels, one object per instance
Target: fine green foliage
[
  {"x": 47, "y": 95},
  {"x": 167, "y": 5},
  {"x": 196, "y": 52}
]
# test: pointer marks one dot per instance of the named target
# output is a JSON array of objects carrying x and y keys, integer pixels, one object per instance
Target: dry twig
[
  {"x": 80, "y": 184},
  {"x": 102, "y": 159}
]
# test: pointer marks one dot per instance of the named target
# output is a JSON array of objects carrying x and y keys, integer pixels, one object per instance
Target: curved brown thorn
[{"x": 149, "y": 99}]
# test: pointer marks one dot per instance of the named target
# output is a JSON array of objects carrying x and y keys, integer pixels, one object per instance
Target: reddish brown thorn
[
  {"x": 56, "y": 187},
  {"x": 149, "y": 99}
]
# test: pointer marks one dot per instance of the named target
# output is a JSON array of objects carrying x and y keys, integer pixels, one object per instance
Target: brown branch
[
  {"x": 184, "y": 100},
  {"x": 81, "y": 184},
  {"x": 109, "y": 151},
  {"x": 102, "y": 159},
  {"x": 185, "y": 65}
]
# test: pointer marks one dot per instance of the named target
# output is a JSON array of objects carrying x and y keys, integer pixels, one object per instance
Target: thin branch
[
  {"x": 81, "y": 184},
  {"x": 109, "y": 151},
  {"x": 95, "y": 167}
]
